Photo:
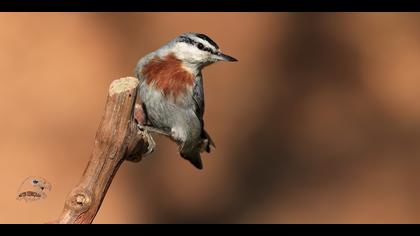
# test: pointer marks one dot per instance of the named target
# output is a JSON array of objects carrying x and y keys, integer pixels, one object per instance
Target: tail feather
[
  {"x": 192, "y": 152},
  {"x": 195, "y": 159}
]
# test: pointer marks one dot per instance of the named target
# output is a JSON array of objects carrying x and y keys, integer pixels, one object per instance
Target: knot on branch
[{"x": 79, "y": 200}]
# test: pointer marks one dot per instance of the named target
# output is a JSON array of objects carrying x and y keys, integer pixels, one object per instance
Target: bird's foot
[
  {"x": 151, "y": 143},
  {"x": 150, "y": 129}
]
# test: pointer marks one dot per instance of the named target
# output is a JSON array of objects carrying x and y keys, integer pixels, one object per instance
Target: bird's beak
[{"x": 224, "y": 57}]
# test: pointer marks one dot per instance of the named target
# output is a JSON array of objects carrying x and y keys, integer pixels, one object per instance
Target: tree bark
[{"x": 117, "y": 139}]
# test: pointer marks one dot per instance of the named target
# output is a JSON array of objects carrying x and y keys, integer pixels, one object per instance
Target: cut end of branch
[{"x": 123, "y": 85}]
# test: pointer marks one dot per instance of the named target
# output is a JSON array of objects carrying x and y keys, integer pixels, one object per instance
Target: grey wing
[{"x": 198, "y": 96}]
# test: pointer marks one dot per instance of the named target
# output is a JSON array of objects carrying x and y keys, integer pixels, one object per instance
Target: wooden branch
[{"x": 117, "y": 139}]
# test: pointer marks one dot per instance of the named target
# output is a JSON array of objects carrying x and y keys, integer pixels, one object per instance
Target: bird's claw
[
  {"x": 151, "y": 144},
  {"x": 151, "y": 129}
]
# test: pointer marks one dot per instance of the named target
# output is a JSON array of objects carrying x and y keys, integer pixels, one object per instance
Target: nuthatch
[{"x": 172, "y": 93}]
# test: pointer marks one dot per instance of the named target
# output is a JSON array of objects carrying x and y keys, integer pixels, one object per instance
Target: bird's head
[{"x": 196, "y": 50}]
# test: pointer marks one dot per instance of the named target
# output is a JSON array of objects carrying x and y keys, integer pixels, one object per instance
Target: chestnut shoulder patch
[{"x": 168, "y": 75}]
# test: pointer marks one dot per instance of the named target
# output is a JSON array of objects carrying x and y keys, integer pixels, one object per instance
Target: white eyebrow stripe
[{"x": 204, "y": 42}]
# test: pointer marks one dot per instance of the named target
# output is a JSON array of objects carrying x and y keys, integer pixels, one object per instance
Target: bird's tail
[
  {"x": 194, "y": 158},
  {"x": 191, "y": 152}
]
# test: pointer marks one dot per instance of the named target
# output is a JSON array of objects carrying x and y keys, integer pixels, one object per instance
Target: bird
[{"x": 172, "y": 93}]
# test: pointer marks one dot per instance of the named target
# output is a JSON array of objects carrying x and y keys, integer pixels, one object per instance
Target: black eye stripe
[
  {"x": 207, "y": 50},
  {"x": 202, "y": 47},
  {"x": 199, "y": 45},
  {"x": 206, "y": 38}
]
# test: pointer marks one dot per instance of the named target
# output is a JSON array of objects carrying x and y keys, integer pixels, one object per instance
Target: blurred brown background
[{"x": 318, "y": 122}]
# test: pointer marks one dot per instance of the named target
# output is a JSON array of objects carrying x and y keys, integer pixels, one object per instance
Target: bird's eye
[
  {"x": 35, "y": 181},
  {"x": 200, "y": 46}
]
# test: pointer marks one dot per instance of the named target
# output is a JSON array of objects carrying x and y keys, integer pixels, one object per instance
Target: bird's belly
[{"x": 167, "y": 114}]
